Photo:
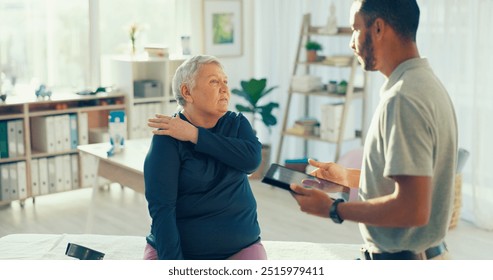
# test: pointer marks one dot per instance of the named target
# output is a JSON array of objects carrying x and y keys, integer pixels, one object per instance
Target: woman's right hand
[{"x": 174, "y": 127}]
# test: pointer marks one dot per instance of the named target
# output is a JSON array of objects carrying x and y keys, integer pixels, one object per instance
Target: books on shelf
[
  {"x": 12, "y": 139},
  {"x": 13, "y": 182},
  {"x": 44, "y": 158},
  {"x": 56, "y": 133},
  {"x": 305, "y": 126}
]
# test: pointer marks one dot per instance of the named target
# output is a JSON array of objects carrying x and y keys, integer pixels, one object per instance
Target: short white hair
[{"x": 186, "y": 74}]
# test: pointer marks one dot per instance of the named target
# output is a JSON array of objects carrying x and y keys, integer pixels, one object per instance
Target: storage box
[
  {"x": 330, "y": 122},
  {"x": 306, "y": 83},
  {"x": 99, "y": 135},
  {"x": 148, "y": 88}
]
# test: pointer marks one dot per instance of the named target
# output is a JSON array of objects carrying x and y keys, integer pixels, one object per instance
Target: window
[
  {"x": 47, "y": 41},
  {"x": 157, "y": 18},
  {"x": 44, "y": 41}
]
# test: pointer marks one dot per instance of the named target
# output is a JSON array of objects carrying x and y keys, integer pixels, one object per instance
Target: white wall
[
  {"x": 271, "y": 33},
  {"x": 237, "y": 68}
]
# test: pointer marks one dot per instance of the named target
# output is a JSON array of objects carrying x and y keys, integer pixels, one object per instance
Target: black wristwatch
[{"x": 333, "y": 211}]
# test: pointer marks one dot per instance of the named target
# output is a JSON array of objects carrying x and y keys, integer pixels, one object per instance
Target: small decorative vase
[{"x": 311, "y": 56}]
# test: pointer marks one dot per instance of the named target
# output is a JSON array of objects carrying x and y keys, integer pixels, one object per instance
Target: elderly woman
[{"x": 196, "y": 184}]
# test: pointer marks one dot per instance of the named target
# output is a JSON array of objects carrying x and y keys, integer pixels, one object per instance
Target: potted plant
[
  {"x": 252, "y": 91},
  {"x": 311, "y": 50}
]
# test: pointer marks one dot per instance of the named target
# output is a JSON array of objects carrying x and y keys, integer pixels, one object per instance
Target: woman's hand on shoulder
[{"x": 174, "y": 127}]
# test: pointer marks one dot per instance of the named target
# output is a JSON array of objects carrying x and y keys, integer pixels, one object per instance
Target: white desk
[{"x": 126, "y": 167}]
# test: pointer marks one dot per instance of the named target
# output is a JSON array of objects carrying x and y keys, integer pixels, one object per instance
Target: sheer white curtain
[{"x": 455, "y": 35}]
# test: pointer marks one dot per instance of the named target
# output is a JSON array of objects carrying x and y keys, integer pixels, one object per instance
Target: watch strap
[{"x": 333, "y": 214}]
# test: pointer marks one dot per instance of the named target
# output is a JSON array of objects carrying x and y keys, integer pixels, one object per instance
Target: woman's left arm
[
  {"x": 235, "y": 145},
  {"x": 233, "y": 142},
  {"x": 161, "y": 175}
]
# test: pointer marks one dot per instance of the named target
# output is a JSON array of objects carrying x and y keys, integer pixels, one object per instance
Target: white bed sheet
[{"x": 53, "y": 246}]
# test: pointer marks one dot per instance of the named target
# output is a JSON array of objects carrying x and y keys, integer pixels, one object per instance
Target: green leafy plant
[
  {"x": 313, "y": 46},
  {"x": 252, "y": 91}
]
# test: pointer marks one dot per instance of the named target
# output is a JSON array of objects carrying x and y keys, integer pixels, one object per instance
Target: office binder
[
  {"x": 66, "y": 132},
  {"x": 58, "y": 133},
  {"x": 14, "y": 186},
  {"x": 21, "y": 179},
  {"x": 52, "y": 182},
  {"x": 12, "y": 138},
  {"x": 74, "y": 136},
  {"x": 5, "y": 181},
  {"x": 59, "y": 174},
  {"x": 89, "y": 170},
  {"x": 74, "y": 158},
  {"x": 43, "y": 176},
  {"x": 83, "y": 129},
  {"x": 67, "y": 172},
  {"x": 35, "y": 190},
  {"x": 19, "y": 127},
  {"x": 4, "y": 140}
]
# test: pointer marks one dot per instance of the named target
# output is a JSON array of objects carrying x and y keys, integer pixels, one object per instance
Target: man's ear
[
  {"x": 379, "y": 27},
  {"x": 185, "y": 92}
]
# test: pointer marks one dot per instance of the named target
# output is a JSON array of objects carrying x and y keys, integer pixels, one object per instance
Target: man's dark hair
[{"x": 402, "y": 15}]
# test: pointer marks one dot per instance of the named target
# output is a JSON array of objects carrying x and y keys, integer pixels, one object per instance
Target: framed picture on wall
[{"x": 223, "y": 27}]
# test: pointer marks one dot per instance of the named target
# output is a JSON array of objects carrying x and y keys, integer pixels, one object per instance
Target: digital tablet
[{"x": 282, "y": 177}]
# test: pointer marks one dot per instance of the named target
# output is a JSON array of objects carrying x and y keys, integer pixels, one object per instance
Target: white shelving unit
[
  {"x": 122, "y": 71},
  {"x": 339, "y": 116},
  {"x": 76, "y": 115}
]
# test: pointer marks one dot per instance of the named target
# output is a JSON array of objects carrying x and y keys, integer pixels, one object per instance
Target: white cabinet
[{"x": 153, "y": 92}]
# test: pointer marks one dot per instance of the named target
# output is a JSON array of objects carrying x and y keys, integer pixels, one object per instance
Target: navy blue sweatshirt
[{"x": 199, "y": 197}]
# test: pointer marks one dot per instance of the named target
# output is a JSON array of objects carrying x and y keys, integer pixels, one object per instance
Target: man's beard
[{"x": 367, "y": 53}]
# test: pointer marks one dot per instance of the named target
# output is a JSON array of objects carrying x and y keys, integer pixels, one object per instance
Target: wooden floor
[{"x": 121, "y": 211}]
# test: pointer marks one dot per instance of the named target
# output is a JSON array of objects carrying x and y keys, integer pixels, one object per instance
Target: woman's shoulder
[
  {"x": 233, "y": 118},
  {"x": 164, "y": 140},
  {"x": 234, "y": 115}
]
